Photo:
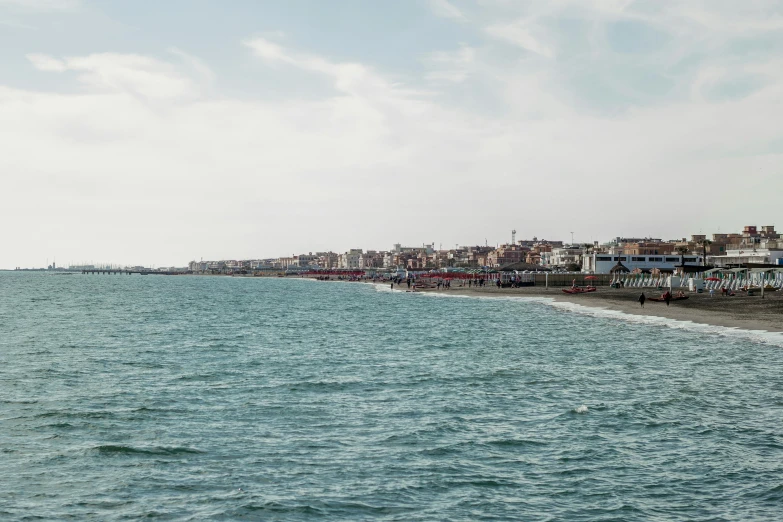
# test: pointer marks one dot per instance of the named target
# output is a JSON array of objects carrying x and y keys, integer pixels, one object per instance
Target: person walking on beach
[
  {"x": 667, "y": 298},
  {"x": 392, "y": 285},
  {"x": 642, "y": 299}
]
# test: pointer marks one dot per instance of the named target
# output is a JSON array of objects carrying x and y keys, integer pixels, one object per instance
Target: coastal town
[{"x": 753, "y": 247}]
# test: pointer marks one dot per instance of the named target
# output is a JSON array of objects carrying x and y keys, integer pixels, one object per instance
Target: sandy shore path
[{"x": 741, "y": 311}]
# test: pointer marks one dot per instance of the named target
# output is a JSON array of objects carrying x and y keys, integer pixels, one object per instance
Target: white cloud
[
  {"x": 519, "y": 34},
  {"x": 349, "y": 77},
  {"x": 44, "y": 62},
  {"x": 446, "y": 9},
  {"x": 454, "y": 66},
  {"x": 195, "y": 63},
  {"x": 749, "y": 18},
  {"x": 139, "y": 75}
]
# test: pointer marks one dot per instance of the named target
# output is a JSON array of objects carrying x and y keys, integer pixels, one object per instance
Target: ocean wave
[
  {"x": 115, "y": 449},
  {"x": 516, "y": 443}
]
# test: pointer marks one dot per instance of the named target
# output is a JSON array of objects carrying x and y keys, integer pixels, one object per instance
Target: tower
[{"x": 514, "y": 237}]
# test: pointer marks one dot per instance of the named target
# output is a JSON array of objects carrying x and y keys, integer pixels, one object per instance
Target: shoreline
[{"x": 738, "y": 312}]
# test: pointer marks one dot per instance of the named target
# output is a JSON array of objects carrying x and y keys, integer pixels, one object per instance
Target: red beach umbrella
[{"x": 712, "y": 279}]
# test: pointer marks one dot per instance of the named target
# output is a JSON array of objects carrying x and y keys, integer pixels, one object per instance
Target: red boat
[{"x": 579, "y": 289}]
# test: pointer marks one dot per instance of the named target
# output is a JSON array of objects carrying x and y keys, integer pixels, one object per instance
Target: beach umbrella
[{"x": 712, "y": 279}]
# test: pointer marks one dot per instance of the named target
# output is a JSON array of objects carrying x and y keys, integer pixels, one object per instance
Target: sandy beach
[{"x": 740, "y": 311}]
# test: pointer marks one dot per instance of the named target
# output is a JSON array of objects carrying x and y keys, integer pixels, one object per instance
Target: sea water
[{"x": 126, "y": 397}]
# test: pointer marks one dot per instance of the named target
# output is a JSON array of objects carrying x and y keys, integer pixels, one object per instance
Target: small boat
[{"x": 579, "y": 289}]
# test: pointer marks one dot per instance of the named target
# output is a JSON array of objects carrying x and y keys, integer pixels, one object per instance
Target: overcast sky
[{"x": 150, "y": 132}]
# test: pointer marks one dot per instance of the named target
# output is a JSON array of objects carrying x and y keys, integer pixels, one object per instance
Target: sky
[{"x": 156, "y": 133}]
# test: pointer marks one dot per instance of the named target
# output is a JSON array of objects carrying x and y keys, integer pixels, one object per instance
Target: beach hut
[
  {"x": 617, "y": 272},
  {"x": 619, "y": 268},
  {"x": 522, "y": 266}
]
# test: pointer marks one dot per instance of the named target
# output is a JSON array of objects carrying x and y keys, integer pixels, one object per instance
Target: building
[
  {"x": 327, "y": 259},
  {"x": 768, "y": 232},
  {"x": 564, "y": 256},
  {"x": 620, "y": 241},
  {"x": 198, "y": 266},
  {"x": 648, "y": 248},
  {"x": 506, "y": 255},
  {"x": 602, "y": 263},
  {"x": 305, "y": 260},
  {"x": 350, "y": 259},
  {"x": 733, "y": 258},
  {"x": 371, "y": 259}
]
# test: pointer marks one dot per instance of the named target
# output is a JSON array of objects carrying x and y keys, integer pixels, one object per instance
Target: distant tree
[
  {"x": 704, "y": 244},
  {"x": 682, "y": 250}
]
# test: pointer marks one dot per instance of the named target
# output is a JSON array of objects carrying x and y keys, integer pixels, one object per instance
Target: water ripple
[{"x": 245, "y": 398}]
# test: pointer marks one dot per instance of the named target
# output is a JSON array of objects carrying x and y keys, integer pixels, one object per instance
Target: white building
[
  {"x": 603, "y": 263},
  {"x": 305, "y": 260},
  {"x": 350, "y": 259},
  {"x": 771, "y": 256},
  {"x": 370, "y": 259},
  {"x": 565, "y": 256}
]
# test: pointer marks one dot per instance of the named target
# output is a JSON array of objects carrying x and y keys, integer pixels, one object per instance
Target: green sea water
[{"x": 191, "y": 398}]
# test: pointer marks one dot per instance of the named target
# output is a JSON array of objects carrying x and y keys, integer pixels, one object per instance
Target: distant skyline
[{"x": 161, "y": 132}]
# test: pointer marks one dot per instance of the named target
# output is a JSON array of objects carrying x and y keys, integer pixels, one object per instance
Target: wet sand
[{"x": 740, "y": 311}]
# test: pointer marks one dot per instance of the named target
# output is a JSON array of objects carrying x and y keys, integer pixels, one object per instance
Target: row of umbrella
[
  {"x": 338, "y": 272},
  {"x": 451, "y": 275}
]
